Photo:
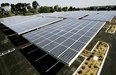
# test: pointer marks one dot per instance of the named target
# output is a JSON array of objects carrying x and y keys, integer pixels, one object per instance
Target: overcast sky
[{"x": 75, "y": 3}]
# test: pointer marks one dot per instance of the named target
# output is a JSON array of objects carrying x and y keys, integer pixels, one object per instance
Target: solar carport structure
[
  {"x": 64, "y": 40},
  {"x": 58, "y": 36}
]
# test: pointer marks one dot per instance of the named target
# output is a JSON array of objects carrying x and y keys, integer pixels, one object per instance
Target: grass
[
  {"x": 93, "y": 66},
  {"x": 114, "y": 19},
  {"x": 112, "y": 29}
]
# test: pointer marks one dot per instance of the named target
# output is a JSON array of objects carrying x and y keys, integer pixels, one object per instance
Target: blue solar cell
[
  {"x": 77, "y": 46},
  {"x": 58, "y": 50}
]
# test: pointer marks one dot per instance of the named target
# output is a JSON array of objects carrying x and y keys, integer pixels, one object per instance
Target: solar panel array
[
  {"x": 92, "y": 15},
  {"x": 66, "y": 39},
  {"x": 28, "y": 24}
]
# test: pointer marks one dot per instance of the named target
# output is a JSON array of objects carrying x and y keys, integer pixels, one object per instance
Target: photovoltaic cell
[{"x": 68, "y": 55}]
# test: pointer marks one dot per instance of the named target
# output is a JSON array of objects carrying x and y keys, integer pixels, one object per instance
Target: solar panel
[
  {"x": 93, "y": 15},
  {"x": 101, "y": 16},
  {"x": 16, "y": 19},
  {"x": 26, "y": 24},
  {"x": 69, "y": 14},
  {"x": 66, "y": 39}
]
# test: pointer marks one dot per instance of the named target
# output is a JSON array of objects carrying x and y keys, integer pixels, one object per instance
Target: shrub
[
  {"x": 92, "y": 73},
  {"x": 86, "y": 63},
  {"x": 89, "y": 66},
  {"x": 88, "y": 58},
  {"x": 95, "y": 66},
  {"x": 93, "y": 53},
  {"x": 83, "y": 67},
  {"x": 91, "y": 56},
  {"x": 80, "y": 72}
]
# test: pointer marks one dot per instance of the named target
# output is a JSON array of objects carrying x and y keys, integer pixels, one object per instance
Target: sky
[{"x": 62, "y": 3}]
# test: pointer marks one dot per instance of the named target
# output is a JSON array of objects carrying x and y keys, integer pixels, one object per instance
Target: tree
[
  {"x": 52, "y": 9},
  {"x": 70, "y": 8},
  {"x": 77, "y": 8},
  {"x": 65, "y": 8},
  {"x": 18, "y": 7},
  {"x": 35, "y": 4},
  {"x": 59, "y": 9},
  {"x": 28, "y": 6},
  {"x": 44, "y": 9},
  {"x": 13, "y": 9},
  {"x": 5, "y": 4},
  {"x": 91, "y": 8},
  {"x": 2, "y": 5},
  {"x": 56, "y": 7}
]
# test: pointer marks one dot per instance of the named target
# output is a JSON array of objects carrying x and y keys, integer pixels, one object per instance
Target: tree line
[{"x": 27, "y": 9}]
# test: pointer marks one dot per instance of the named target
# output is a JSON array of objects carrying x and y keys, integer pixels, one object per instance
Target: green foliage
[
  {"x": 86, "y": 63},
  {"x": 89, "y": 72},
  {"x": 5, "y": 4},
  {"x": 56, "y": 7},
  {"x": 65, "y": 9},
  {"x": 83, "y": 67},
  {"x": 96, "y": 65},
  {"x": 52, "y": 9},
  {"x": 80, "y": 72},
  {"x": 112, "y": 28},
  {"x": 100, "y": 8},
  {"x": 70, "y": 8},
  {"x": 33, "y": 11},
  {"x": 59, "y": 9},
  {"x": 4, "y": 14},
  {"x": 35, "y": 4},
  {"x": 44, "y": 9}
]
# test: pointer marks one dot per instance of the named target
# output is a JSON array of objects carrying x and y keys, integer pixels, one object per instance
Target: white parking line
[{"x": 7, "y": 51}]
